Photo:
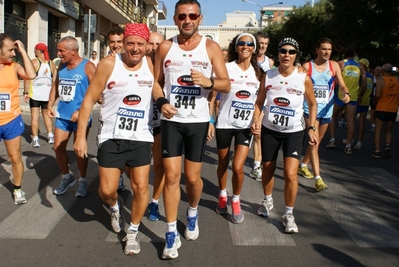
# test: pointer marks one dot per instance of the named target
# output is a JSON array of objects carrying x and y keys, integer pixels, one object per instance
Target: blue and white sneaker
[
  {"x": 82, "y": 189},
  {"x": 192, "y": 229},
  {"x": 172, "y": 243},
  {"x": 153, "y": 209},
  {"x": 63, "y": 187},
  {"x": 121, "y": 185}
]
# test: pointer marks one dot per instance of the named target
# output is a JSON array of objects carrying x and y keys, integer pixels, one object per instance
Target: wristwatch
[
  {"x": 212, "y": 83},
  {"x": 312, "y": 128},
  {"x": 347, "y": 94}
]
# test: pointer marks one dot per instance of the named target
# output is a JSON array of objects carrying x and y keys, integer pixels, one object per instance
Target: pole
[
  {"x": 260, "y": 19},
  {"x": 89, "y": 34}
]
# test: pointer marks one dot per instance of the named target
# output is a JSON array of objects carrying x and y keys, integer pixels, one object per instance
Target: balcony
[
  {"x": 162, "y": 11},
  {"x": 151, "y": 2},
  {"x": 117, "y": 11}
]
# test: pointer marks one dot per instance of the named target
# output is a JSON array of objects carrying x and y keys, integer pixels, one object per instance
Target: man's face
[
  {"x": 65, "y": 52},
  {"x": 115, "y": 43},
  {"x": 324, "y": 51},
  {"x": 155, "y": 40},
  {"x": 94, "y": 55},
  {"x": 263, "y": 44},
  {"x": 135, "y": 48},
  {"x": 187, "y": 18},
  {"x": 225, "y": 55},
  {"x": 7, "y": 52}
]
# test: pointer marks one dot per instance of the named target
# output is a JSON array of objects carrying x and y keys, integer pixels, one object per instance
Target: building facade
[
  {"x": 236, "y": 23},
  {"x": 46, "y": 21}
]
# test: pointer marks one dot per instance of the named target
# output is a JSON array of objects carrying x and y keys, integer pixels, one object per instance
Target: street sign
[{"x": 93, "y": 19}]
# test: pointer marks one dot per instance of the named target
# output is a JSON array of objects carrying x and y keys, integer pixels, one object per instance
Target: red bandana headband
[
  {"x": 43, "y": 47},
  {"x": 137, "y": 29}
]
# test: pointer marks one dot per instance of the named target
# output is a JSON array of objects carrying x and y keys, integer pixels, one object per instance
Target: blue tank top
[
  {"x": 72, "y": 88},
  {"x": 323, "y": 87}
]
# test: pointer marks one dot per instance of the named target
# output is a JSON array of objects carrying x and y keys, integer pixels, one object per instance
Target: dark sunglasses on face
[
  {"x": 192, "y": 16},
  {"x": 290, "y": 51},
  {"x": 248, "y": 43}
]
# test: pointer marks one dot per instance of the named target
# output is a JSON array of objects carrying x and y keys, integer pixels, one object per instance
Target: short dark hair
[
  {"x": 261, "y": 35},
  {"x": 323, "y": 40},
  {"x": 4, "y": 36},
  {"x": 350, "y": 51},
  {"x": 185, "y": 2},
  {"x": 115, "y": 30}
]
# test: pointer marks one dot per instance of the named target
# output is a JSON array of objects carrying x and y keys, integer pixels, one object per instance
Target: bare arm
[
  {"x": 98, "y": 80},
  {"x": 28, "y": 71},
  {"x": 221, "y": 80},
  {"x": 260, "y": 100},
  {"x": 167, "y": 110},
  {"x": 309, "y": 95},
  {"x": 342, "y": 86}
]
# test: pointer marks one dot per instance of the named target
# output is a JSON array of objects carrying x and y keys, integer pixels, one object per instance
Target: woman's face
[
  {"x": 287, "y": 55},
  {"x": 245, "y": 47}
]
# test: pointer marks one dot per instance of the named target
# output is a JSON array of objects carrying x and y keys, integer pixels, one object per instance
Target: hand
[
  {"x": 346, "y": 98},
  {"x": 200, "y": 79},
  {"x": 80, "y": 147},
  {"x": 19, "y": 46},
  {"x": 211, "y": 132},
  {"x": 50, "y": 112},
  {"x": 26, "y": 98},
  {"x": 313, "y": 141},
  {"x": 75, "y": 115},
  {"x": 168, "y": 111},
  {"x": 256, "y": 128}
]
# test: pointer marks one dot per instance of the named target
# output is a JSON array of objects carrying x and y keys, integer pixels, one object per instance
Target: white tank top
[
  {"x": 127, "y": 104},
  {"x": 283, "y": 106},
  {"x": 40, "y": 87},
  {"x": 189, "y": 99},
  {"x": 237, "y": 107},
  {"x": 265, "y": 65}
]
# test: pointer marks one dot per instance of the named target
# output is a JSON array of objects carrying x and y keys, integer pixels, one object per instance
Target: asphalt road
[{"x": 353, "y": 223}]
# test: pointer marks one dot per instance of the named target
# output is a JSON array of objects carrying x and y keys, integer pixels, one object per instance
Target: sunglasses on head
[
  {"x": 248, "y": 43},
  {"x": 192, "y": 16},
  {"x": 290, "y": 51}
]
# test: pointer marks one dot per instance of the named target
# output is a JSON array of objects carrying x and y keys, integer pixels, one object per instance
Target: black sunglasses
[
  {"x": 192, "y": 16},
  {"x": 248, "y": 43},
  {"x": 290, "y": 51}
]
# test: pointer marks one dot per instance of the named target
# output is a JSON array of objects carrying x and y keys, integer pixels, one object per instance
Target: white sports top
[
  {"x": 127, "y": 104},
  {"x": 265, "y": 65},
  {"x": 237, "y": 107},
  {"x": 189, "y": 99},
  {"x": 283, "y": 107},
  {"x": 39, "y": 88}
]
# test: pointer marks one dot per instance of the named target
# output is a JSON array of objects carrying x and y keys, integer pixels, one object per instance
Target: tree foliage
[{"x": 372, "y": 26}]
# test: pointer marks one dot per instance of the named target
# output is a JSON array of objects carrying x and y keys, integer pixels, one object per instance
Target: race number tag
[
  {"x": 282, "y": 118},
  {"x": 128, "y": 121},
  {"x": 321, "y": 93},
  {"x": 241, "y": 114},
  {"x": 184, "y": 98},
  {"x": 5, "y": 102},
  {"x": 67, "y": 89}
]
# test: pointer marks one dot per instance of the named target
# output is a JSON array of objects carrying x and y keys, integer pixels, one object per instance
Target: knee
[
  {"x": 15, "y": 158},
  {"x": 238, "y": 170},
  {"x": 140, "y": 190}
]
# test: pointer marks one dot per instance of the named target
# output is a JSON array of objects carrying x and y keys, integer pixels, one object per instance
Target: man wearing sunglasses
[{"x": 183, "y": 78}]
